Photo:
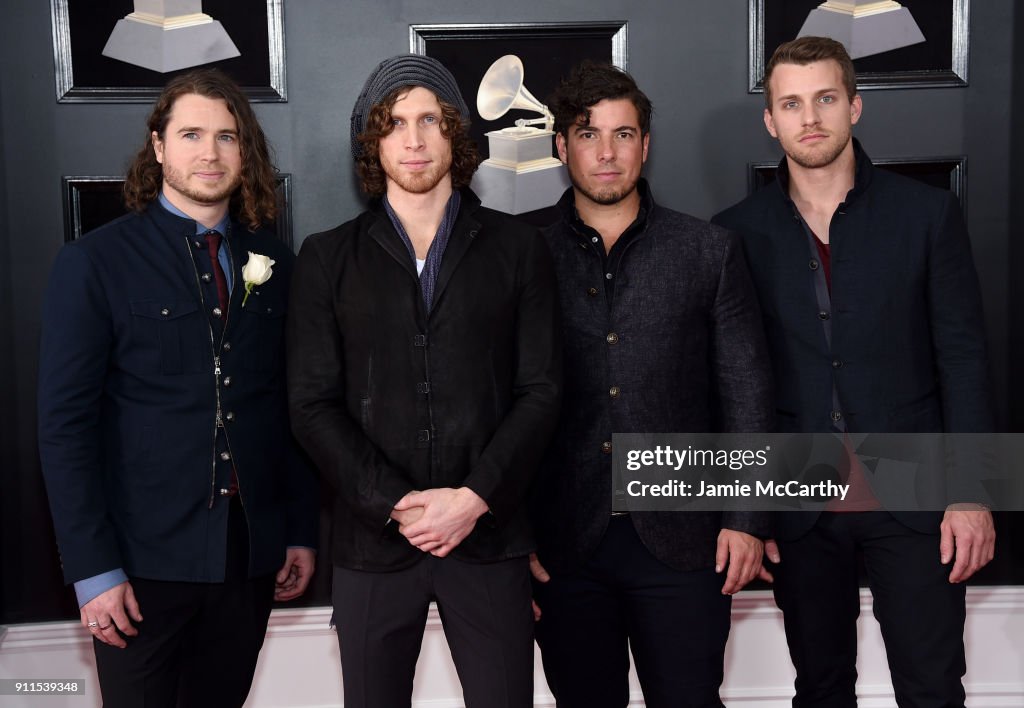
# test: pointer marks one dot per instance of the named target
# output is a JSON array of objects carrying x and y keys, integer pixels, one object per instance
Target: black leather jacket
[{"x": 387, "y": 399}]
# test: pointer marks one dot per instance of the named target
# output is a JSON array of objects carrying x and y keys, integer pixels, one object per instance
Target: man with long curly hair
[
  {"x": 180, "y": 505},
  {"x": 423, "y": 376}
]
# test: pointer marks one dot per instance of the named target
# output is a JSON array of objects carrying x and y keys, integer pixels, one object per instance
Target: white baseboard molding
[{"x": 299, "y": 664}]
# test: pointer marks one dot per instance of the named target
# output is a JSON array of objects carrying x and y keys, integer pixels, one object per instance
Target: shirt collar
[
  {"x": 567, "y": 206},
  {"x": 221, "y": 227}
]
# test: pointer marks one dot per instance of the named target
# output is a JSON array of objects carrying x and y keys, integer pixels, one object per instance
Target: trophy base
[
  {"x": 514, "y": 146},
  {"x": 866, "y": 34},
  {"x": 153, "y": 47},
  {"x": 527, "y": 186}
]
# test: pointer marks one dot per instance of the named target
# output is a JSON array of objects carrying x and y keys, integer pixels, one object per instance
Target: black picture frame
[
  {"x": 91, "y": 201},
  {"x": 941, "y": 61},
  {"x": 942, "y": 172},
  {"x": 84, "y": 75},
  {"x": 548, "y": 51}
]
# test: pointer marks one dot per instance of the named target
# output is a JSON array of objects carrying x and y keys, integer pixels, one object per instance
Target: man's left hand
[
  {"x": 294, "y": 576},
  {"x": 742, "y": 553},
  {"x": 967, "y": 532},
  {"x": 449, "y": 515}
]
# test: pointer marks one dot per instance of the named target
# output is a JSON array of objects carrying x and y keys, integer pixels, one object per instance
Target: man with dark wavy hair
[
  {"x": 424, "y": 378},
  {"x": 662, "y": 334},
  {"x": 181, "y": 506}
]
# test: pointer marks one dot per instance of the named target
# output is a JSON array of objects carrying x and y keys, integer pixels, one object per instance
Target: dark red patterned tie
[{"x": 213, "y": 244}]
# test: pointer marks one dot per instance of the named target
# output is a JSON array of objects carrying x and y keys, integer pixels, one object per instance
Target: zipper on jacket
[{"x": 218, "y": 414}]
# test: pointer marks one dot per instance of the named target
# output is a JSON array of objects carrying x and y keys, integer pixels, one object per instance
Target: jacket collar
[
  {"x": 179, "y": 236},
  {"x": 465, "y": 230},
  {"x": 862, "y": 176}
]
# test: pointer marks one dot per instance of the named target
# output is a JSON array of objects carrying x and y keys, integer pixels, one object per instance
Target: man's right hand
[
  {"x": 771, "y": 550},
  {"x": 542, "y": 576},
  {"x": 408, "y": 514},
  {"x": 109, "y": 612}
]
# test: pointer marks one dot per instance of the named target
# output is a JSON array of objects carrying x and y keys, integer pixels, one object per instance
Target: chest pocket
[
  {"x": 167, "y": 336},
  {"x": 264, "y": 320}
]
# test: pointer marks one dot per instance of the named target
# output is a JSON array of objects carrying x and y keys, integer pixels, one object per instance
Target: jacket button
[
  {"x": 592, "y": 292},
  {"x": 217, "y": 312},
  {"x": 207, "y": 277},
  {"x": 225, "y": 455},
  {"x": 813, "y": 265},
  {"x": 824, "y": 315},
  {"x": 229, "y": 416},
  {"x": 612, "y": 338},
  {"x": 837, "y": 364},
  {"x": 613, "y": 392},
  {"x": 836, "y": 416},
  {"x": 165, "y": 312},
  {"x": 606, "y": 447},
  {"x": 594, "y": 239},
  {"x": 227, "y": 346},
  {"x": 227, "y": 381}
]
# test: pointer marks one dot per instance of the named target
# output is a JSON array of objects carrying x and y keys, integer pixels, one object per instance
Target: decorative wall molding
[{"x": 299, "y": 663}]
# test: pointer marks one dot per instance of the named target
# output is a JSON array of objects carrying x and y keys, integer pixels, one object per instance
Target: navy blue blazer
[
  {"x": 128, "y": 394},
  {"x": 907, "y": 351}
]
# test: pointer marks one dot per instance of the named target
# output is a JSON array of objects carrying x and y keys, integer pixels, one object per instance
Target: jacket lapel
[
  {"x": 384, "y": 234},
  {"x": 463, "y": 233}
]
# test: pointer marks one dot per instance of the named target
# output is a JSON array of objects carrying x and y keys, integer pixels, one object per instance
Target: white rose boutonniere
[{"x": 257, "y": 270}]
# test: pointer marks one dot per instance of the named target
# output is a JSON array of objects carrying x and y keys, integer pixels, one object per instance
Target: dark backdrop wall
[
  {"x": 691, "y": 58},
  {"x": 1015, "y": 321}
]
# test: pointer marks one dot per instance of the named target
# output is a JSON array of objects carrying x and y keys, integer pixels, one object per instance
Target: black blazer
[
  {"x": 907, "y": 351},
  {"x": 128, "y": 401},
  {"x": 387, "y": 399},
  {"x": 687, "y": 356}
]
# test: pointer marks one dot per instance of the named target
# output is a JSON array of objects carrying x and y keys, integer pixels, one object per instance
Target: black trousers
[
  {"x": 921, "y": 614},
  {"x": 675, "y": 622},
  {"x": 487, "y": 618},
  {"x": 198, "y": 642}
]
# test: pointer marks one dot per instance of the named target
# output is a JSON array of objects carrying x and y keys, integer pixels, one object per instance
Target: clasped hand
[{"x": 437, "y": 520}]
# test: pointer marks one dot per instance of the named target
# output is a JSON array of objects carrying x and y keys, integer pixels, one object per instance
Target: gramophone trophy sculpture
[
  {"x": 864, "y": 27},
  {"x": 166, "y": 35},
  {"x": 520, "y": 175}
]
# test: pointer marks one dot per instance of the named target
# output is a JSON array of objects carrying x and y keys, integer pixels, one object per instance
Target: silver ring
[{"x": 90, "y": 625}]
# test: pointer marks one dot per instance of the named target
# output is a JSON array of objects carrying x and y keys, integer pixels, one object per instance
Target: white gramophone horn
[{"x": 502, "y": 89}]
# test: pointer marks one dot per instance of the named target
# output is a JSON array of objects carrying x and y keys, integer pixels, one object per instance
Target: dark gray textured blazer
[{"x": 688, "y": 356}]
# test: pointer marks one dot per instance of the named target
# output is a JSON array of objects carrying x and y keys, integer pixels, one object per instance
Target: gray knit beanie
[{"x": 397, "y": 72}]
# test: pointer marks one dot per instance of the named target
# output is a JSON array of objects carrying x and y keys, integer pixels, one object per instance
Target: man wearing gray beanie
[{"x": 424, "y": 379}]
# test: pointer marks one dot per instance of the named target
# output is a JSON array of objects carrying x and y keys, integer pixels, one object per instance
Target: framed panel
[
  {"x": 91, "y": 202},
  {"x": 84, "y": 75},
  {"x": 941, "y": 60},
  {"x": 548, "y": 51},
  {"x": 942, "y": 172}
]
